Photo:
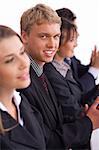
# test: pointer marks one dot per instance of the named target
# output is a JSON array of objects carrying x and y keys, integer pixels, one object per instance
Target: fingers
[
  {"x": 93, "y": 55},
  {"x": 95, "y": 58},
  {"x": 96, "y": 103},
  {"x": 93, "y": 113},
  {"x": 95, "y": 48},
  {"x": 94, "y": 51}
]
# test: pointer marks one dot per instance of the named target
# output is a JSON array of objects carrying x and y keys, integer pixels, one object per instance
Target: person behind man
[
  {"x": 40, "y": 30},
  {"x": 20, "y": 126},
  {"x": 86, "y": 75},
  {"x": 59, "y": 73},
  {"x": 67, "y": 89}
]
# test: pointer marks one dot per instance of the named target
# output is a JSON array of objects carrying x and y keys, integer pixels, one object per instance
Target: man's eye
[
  {"x": 43, "y": 36},
  {"x": 57, "y": 36}
]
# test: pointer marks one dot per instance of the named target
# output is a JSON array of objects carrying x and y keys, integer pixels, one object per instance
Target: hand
[
  {"x": 93, "y": 55},
  {"x": 93, "y": 113},
  {"x": 95, "y": 58}
]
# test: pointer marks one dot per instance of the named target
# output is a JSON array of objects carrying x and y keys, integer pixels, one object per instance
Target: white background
[{"x": 87, "y": 12}]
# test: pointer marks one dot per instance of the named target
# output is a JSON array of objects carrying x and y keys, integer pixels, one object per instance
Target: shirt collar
[
  {"x": 62, "y": 67},
  {"x": 63, "y": 63},
  {"x": 16, "y": 99},
  {"x": 37, "y": 68}
]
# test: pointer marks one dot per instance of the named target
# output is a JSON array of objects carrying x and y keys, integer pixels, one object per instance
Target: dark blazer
[
  {"x": 67, "y": 91},
  {"x": 28, "y": 137},
  {"x": 86, "y": 81},
  {"x": 58, "y": 135},
  {"x": 81, "y": 74}
]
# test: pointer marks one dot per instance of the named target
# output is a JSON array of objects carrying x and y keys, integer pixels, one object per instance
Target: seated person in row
[{"x": 20, "y": 125}]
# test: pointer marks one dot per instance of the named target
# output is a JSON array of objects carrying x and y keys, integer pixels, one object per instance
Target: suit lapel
[
  {"x": 22, "y": 136},
  {"x": 74, "y": 68},
  {"x": 18, "y": 133},
  {"x": 44, "y": 94},
  {"x": 31, "y": 123},
  {"x": 71, "y": 79}
]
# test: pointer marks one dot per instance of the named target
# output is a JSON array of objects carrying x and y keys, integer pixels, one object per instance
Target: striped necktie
[{"x": 44, "y": 81}]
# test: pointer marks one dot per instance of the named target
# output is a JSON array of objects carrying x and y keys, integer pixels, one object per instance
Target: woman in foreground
[{"x": 19, "y": 127}]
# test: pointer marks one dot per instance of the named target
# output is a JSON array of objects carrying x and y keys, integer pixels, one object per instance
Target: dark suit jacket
[
  {"x": 86, "y": 81},
  {"x": 28, "y": 137},
  {"x": 67, "y": 91},
  {"x": 81, "y": 74},
  {"x": 58, "y": 134}
]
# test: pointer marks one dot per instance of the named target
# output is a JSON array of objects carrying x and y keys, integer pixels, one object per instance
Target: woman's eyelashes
[{"x": 9, "y": 60}]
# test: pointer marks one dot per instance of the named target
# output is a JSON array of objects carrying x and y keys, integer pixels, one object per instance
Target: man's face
[{"x": 42, "y": 42}]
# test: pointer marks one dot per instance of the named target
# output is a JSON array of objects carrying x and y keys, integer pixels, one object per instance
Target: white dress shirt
[{"x": 17, "y": 101}]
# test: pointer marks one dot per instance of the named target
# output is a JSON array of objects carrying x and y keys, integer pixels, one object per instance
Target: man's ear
[{"x": 24, "y": 37}]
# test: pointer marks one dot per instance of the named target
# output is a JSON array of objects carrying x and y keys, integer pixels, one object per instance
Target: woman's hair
[
  {"x": 6, "y": 32},
  {"x": 66, "y": 28},
  {"x": 66, "y": 14},
  {"x": 2, "y": 129},
  {"x": 38, "y": 15},
  {"x": 68, "y": 18},
  {"x": 1, "y": 125}
]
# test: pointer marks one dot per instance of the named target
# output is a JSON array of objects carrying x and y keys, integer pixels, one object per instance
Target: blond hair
[{"x": 38, "y": 15}]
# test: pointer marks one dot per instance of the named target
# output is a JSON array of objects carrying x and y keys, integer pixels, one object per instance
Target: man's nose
[{"x": 51, "y": 43}]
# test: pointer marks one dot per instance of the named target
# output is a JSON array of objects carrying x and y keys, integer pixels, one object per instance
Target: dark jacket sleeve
[
  {"x": 82, "y": 75},
  {"x": 77, "y": 133}
]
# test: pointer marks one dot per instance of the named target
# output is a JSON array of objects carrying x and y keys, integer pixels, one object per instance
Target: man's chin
[{"x": 49, "y": 60}]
